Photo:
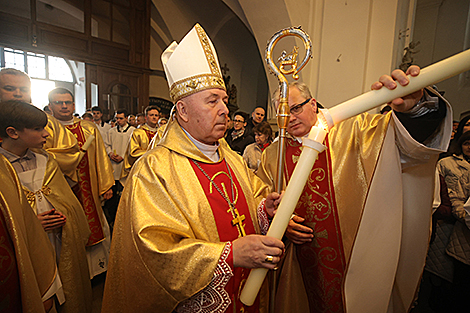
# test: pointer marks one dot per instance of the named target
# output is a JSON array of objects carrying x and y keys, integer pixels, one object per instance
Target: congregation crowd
[{"x": 182, "y": 201}]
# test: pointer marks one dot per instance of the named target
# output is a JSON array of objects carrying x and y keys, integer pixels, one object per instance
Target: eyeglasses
[
  {"x": 238, "y": 121},
  {"x": 298, "y": 108},
  {"x": 62, "y": 102}
]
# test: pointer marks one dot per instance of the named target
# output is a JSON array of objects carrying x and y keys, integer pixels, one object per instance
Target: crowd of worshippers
[{"x": 64, "y": 178}]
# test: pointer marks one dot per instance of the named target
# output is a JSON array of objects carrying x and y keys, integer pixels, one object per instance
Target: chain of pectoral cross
[{"x": 237, "y": 218}]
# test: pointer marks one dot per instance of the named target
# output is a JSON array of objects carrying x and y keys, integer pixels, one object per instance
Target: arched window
[{"x": 120, "y": 96}]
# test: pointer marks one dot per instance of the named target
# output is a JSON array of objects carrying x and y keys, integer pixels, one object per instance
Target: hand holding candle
[
  {"x": 85, "y": 147},
  {"x": 365, "y": 102},
  {"x": 312, "y": 146}
]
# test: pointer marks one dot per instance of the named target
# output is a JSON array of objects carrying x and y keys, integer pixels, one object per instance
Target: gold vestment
[
  {"x": 160, "y": 131},
  {"x": 63, "y": 146},
  {"x": 165, "y": 242},
  {"x": 101, "y": 170},
  {"x": 384, "y": 219},
  {"x": 137, "y": 147},
  {"x": 73, "y": 266},
  {"x": 34, "y": 253}
]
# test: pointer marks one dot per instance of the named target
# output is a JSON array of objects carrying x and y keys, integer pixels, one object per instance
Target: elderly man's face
[
  {"x": 206, "y": 115},
  {"x": 300, "y": 124},
  {"x": 15, "y": 87},
  {"x": 258, "y": 115}
]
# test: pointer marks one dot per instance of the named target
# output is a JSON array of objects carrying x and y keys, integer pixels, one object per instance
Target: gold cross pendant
[{"x": 238, "y": 221}]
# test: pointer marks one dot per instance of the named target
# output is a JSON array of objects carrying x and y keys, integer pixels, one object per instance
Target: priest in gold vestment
[
  {"x": 28, "y": 263},
  {"x": 186, "y": 231},
  {"x": 359, "y": 238},
  {"x": 62, "y": 145},
  {"x": 140, "y": 139},
  {"x": 95, "y": 175}
]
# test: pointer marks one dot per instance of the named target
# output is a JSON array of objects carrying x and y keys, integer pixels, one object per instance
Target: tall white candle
[
  {"x": 312, "y": 146},
  {"x": 430, "y": 75},
  {"x": 85, "y": 147}
]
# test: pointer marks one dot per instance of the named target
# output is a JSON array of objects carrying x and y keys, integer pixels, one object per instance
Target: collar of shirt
[
  {"x": 209, "y": 151},
  {"x": 123, "y": 129},
  {"x": 66, "y": 122},
  {"x": 154, "y": 129},
  {"x": 24, "y": 161}
]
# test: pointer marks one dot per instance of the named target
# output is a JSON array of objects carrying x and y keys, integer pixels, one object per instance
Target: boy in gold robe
[
  {"x": 49, "y": 195},
  {"x": 28, "y": 265}
]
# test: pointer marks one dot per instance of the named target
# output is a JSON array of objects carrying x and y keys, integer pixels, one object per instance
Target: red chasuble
[
  {"x": 83, "y": 189},
  {"x": 149, "y": 133},
  {"x": 231, "y": 224},
  {"x": 10, "y": 292},
  {"x": 321, "y": 261}
]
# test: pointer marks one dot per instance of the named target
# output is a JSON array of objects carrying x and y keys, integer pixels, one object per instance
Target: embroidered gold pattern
[
  {"x": 208, "y": 50},
  {"x": 193, "y": 84},
  {"x": 31, "y": 196}
]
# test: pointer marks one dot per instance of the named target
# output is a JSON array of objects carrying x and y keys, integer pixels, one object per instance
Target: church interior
[
  {"x": 113, "y": 48},
  {"x": 108, "y": 52}
]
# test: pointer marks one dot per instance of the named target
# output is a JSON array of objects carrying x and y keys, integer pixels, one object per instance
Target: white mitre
[{"x": 192, "y": 65}]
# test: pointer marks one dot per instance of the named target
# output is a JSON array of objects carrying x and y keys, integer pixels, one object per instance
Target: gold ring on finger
[{"x": 269, "y": 259}]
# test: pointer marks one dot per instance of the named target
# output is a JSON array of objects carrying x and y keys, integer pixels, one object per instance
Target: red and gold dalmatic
[
  {"x": 175, "y": 229},
  {"x": 371, "y": 229},
  {"x": 323, "y": 282},
  {"x": 138, "y": 144},
  {"x": 95, "y": 177}
]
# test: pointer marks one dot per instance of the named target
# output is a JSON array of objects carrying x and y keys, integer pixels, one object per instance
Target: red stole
[
  {"x": 10, "y": 292},
  {"x": 149, "y": 133},
  {"x": 227, "y": 221},
  {"x": 322, "y": 261},
  {"x": 83, "y": 189}
]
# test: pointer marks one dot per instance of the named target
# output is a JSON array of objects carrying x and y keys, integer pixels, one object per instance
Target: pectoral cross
[
  {"x": 237, "y": 218},
  {"x": 238, "y": 221}
]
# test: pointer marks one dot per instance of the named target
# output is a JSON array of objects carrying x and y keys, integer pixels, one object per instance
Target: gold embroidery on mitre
[
  {"x": 205, "y": 43},
  {"x": 193, "y": 84}
]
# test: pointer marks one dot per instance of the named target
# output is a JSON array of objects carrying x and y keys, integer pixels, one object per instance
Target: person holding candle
[
  {"x": 361, "y": 225},
  {"x": 95, "y": 174},
  {"x": 188, "y": 224}
]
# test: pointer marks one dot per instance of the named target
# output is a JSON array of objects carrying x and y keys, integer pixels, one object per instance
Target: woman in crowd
[
  {"x": 263, "y": 138},
  {"x": 456, "y": 172}
]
